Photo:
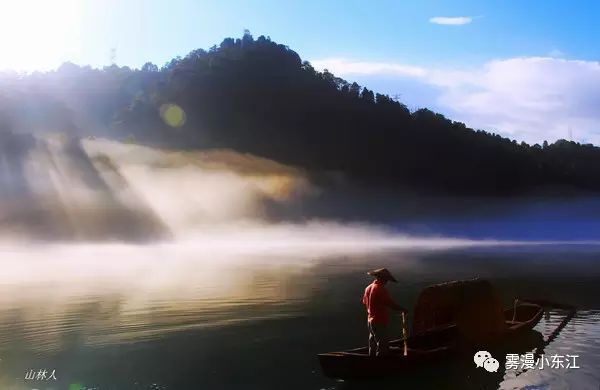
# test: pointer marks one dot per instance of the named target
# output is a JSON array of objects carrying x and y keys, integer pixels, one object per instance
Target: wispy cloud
[
  {"x": 342, "y": 66},
  {"x": 451, "y": 21},
  {"x": 526, "y": 98},
  {"x": 556, "y": 53}
]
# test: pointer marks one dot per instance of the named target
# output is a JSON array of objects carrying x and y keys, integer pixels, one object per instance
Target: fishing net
[{"x": 473, "y": 305}]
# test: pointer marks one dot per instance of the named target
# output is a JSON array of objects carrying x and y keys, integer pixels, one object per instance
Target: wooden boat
[{"x": 426, "y": 346}]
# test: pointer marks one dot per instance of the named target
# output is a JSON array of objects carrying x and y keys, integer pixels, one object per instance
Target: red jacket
[{"x": 377, "y": 300}]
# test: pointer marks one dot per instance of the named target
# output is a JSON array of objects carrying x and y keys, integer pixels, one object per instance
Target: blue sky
[
  {"x": 526, "y": 69},
  {"x": 376, "y": 31}
]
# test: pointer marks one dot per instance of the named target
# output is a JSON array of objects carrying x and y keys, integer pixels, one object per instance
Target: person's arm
[
  {"x": 397, "y": 307},
  {"x": 389, "y": 302}
]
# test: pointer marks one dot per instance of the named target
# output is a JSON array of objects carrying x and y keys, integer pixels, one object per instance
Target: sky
[{"x": 524, "y": 69}]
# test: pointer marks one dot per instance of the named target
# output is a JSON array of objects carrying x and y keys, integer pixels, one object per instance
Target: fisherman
[{"x": 378, "y": 302}]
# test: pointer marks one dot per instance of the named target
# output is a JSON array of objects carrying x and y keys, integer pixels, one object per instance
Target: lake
[{"x": 235, "y": 315}]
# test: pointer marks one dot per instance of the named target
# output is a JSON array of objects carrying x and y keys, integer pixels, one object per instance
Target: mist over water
[
  {"x": 98, "y": 217},
  {"x": 61, "y": 189},
  {"x": 130, "y": 267}
]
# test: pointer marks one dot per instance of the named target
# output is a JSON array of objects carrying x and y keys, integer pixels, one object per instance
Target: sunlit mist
[
  {"x": 220, "y": 276},
  {"x": 136, "y": 225}
]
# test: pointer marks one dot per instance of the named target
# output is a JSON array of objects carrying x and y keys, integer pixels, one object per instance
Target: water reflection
[{"x": 192, "y": 316}]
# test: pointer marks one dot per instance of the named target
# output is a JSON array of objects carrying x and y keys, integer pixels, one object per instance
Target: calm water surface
[{"x": 177, "y": 317}]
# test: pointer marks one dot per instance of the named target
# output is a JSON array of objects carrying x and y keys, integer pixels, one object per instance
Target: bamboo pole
[{"x": 404, "y": 334}]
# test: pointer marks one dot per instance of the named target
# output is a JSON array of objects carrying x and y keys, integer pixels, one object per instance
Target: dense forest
[{"x": 257, "y": 96}]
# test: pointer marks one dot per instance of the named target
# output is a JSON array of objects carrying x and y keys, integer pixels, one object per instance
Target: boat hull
[{"x": 423, "y": 349}]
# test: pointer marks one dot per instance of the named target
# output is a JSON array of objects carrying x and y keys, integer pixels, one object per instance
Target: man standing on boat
[{"x": 378, "y": 302}]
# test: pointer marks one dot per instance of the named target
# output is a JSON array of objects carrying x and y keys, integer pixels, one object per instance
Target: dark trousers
[{"x": 378, "y": 339}]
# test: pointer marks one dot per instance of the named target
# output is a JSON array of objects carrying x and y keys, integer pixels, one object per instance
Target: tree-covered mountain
[{"x": 257, "y": 96}]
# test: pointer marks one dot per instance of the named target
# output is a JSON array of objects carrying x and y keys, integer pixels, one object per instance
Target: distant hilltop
[{"x": 257, "y": 96}]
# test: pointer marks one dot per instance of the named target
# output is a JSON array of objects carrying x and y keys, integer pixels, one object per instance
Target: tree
[
  {"x": 227, "y": 43},
  {"x": 328, "y": 77},
  {"x": 247, "y": 38},
  {"x": 367, "y": 95},
  {"x": 354, "y": 89},
  {"x": 259, "y": 97},
  {"x": 149, "y": 67}
]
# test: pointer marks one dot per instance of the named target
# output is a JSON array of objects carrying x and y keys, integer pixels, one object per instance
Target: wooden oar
[{"x": 404, "y": 334}]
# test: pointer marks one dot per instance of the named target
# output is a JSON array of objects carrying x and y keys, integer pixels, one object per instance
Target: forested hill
[{"x": 257, "y": 96}]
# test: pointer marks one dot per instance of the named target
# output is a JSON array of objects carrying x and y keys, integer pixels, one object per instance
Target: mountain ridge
[{"x": 256, "y": 96}]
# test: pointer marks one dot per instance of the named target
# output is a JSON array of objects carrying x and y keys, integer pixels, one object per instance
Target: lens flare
[{"x": 172, "y": 115}]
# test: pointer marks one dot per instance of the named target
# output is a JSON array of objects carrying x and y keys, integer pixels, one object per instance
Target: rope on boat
[
  {"x": 546, "y": 303},
  {"x": 571, "y": 311}
]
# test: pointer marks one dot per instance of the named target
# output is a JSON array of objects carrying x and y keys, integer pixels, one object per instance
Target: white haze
[
  {"x": 209, "y": 252},
  {"x": 196, "y": 199}
]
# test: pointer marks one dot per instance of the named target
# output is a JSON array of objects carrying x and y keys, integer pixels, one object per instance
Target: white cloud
[
  {"x": 528, "y": 98},
  {"x": 531, "y": 99},
  {"x": 556, "y": 53},
  {"x": 343, "y": 66},
  {"x": 451, "y": 21}
]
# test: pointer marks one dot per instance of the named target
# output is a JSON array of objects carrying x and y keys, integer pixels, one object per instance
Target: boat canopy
[{"x": 473, "y": 305}]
